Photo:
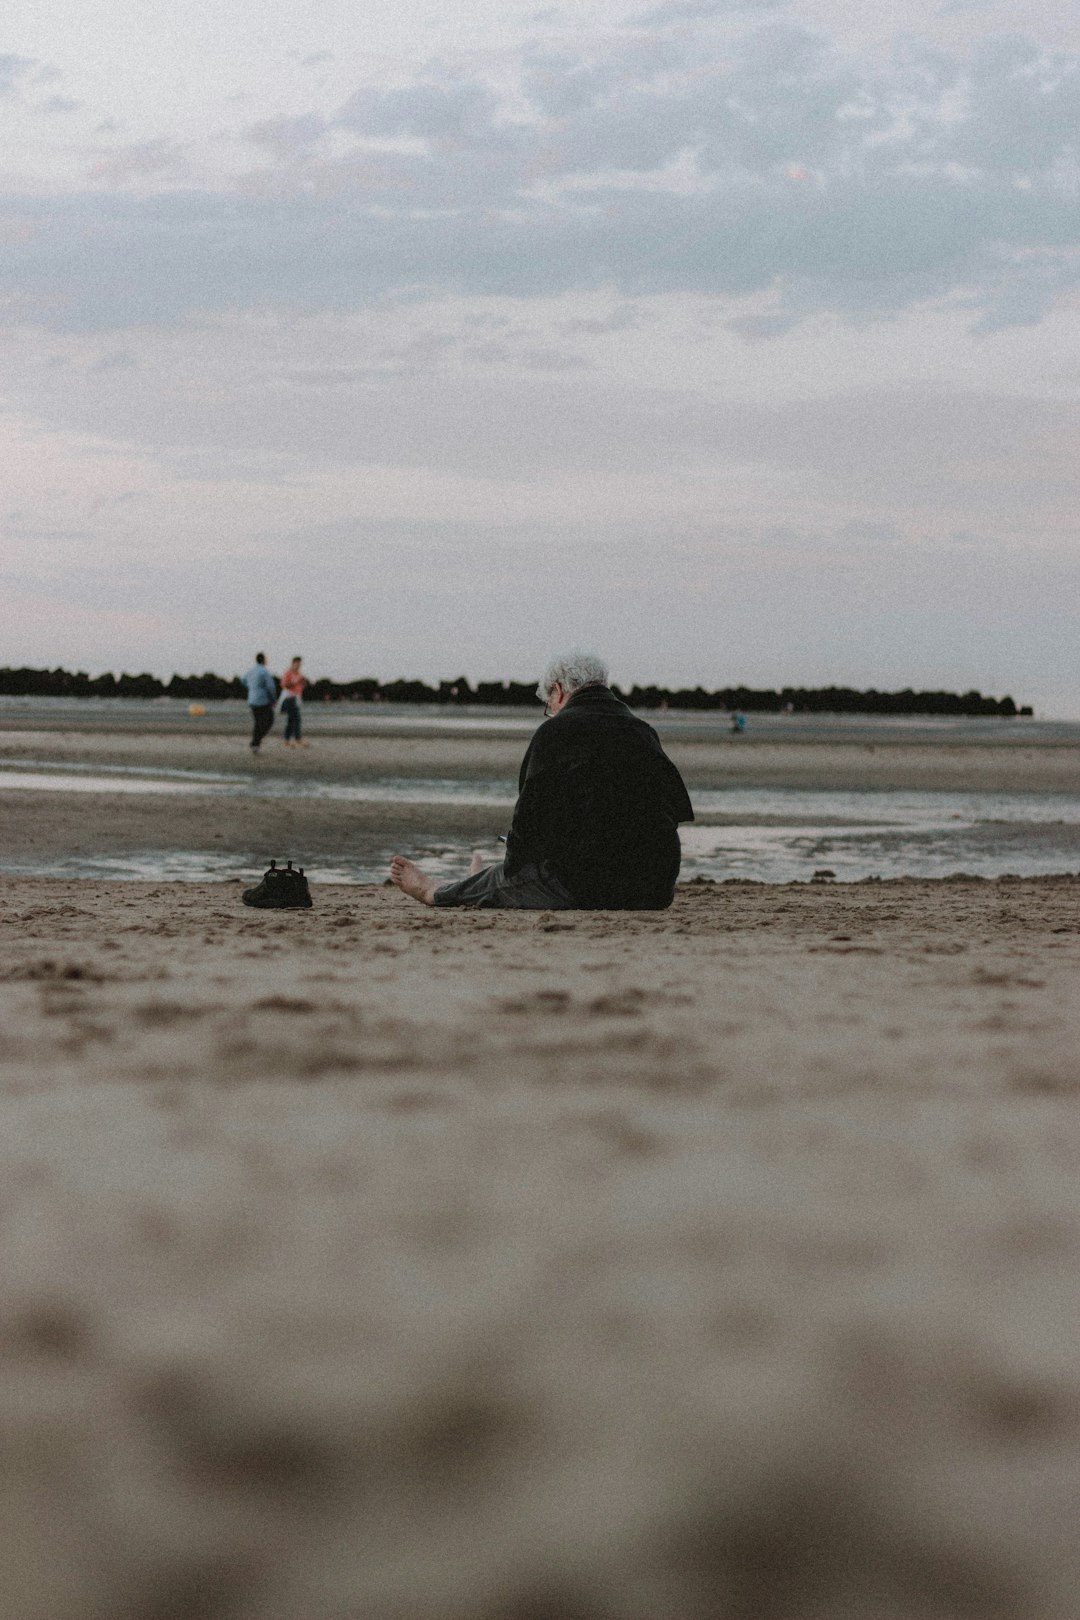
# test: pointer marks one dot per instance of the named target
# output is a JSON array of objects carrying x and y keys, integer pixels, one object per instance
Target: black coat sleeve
[{"x": 525, "y": 841}]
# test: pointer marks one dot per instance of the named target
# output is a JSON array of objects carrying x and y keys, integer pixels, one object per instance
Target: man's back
[
  {"x": 600, "y": 803},
  {"x": 261, "y": 686}
]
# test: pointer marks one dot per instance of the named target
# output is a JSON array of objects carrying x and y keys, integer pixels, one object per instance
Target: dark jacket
[{"x": 600, "y": 802}]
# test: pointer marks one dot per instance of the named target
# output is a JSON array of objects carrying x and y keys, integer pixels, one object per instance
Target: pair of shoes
[{"x": 280, "y": 887}]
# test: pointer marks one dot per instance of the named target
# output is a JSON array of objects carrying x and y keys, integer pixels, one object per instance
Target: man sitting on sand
[{"x": 597, "y": 816}]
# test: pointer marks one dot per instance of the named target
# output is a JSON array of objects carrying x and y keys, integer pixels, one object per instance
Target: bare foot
[
  {"x": 411, "y": 881},
  {"x": 477, "y": 863}
]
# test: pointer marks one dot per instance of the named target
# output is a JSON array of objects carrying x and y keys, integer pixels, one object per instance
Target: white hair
[{"x": 571, "y": 671}]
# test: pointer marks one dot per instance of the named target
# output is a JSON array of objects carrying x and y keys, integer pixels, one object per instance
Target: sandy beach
[{"x": 373, "y": 1262}]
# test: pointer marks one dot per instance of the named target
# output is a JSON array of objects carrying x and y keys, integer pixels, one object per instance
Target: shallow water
[
  {"x": 768, "y": 834},
  {"x": 31, "y": 776}
]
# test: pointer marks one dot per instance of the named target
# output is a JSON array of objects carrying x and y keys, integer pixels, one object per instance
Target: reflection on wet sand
[{"x": 352, "y": 825}]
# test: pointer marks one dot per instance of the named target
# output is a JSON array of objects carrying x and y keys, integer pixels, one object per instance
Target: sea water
[{"x": 766, "y": 834}]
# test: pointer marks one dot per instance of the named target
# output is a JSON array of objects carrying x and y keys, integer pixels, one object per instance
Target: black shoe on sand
[{"x": 280, "y": 887}]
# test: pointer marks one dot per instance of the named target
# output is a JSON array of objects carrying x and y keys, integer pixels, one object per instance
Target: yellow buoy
[{"x": 196, "y": 708}]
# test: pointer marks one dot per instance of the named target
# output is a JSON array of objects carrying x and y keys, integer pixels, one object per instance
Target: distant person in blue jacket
[{"x": 262, "y": 691}]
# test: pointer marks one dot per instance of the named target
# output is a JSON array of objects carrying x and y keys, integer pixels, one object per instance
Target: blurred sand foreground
[{"x": 380, "y": 1264}]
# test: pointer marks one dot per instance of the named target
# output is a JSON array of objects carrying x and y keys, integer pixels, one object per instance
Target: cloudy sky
[{"x": 741, "y": 343}]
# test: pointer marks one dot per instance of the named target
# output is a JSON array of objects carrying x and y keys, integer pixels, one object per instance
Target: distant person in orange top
[{"x": 293, "y": 685}]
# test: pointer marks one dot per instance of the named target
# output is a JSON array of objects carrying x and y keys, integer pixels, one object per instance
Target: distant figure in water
[
  {"x": 262, "y": 691},
  {"x": 738, "y": 722},
  {"x": 597, "y": 815},
  {"x": 293, "y": 685}
]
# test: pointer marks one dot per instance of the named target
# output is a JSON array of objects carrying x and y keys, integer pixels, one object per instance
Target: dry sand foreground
[{"x": 376, "y": 1264}]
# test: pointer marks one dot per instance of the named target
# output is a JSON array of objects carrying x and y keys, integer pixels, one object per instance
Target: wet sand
[
  {"x": 45, "y": 827},
  {"x": 378, "y": 1264},
  {"x": 881, "y": 759}
]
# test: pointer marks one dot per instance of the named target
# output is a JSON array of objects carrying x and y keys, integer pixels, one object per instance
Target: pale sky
[{"x": 739, "y": 343}]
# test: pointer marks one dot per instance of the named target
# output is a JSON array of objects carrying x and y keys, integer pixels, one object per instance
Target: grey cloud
[
  {"x": 108, "y": 503},
  {"x": 623, "y": 318},
  {"x": 140, "y": 160},
  {"x": 758, "y": 328},
  {"x": 20, "y": 525},
  {"x": 414, "y": 356},
  {"x": 286, "y": 136},
  {"x": 894, "y": 449},
  {"x": 1025, "y": 110},
  {"x": 678, "y": 11},
  {"x": 12, "y": 69},
  {"x": 501, "y": 422},
  {"x": 920, "y": 439},
  {"x": 116, "y": 360},
  {"x": 849, "y": 247},
  {"x": 836, "y": 184},
  {"x": 961, "y": 8},
  {"x": 528, "y": 359},
  {"x": 561, "y": 85},
  {"x": 1023, "y": 295},
  {"x": 552, "y": 360},
  {"x": 436, "y": 110}
]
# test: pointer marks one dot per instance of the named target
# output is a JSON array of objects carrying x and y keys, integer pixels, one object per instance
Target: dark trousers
[
  {"x": 533, "y": 888},
  {"x": 290, "y": 708},
  {"x": 262, "y": 718}
]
